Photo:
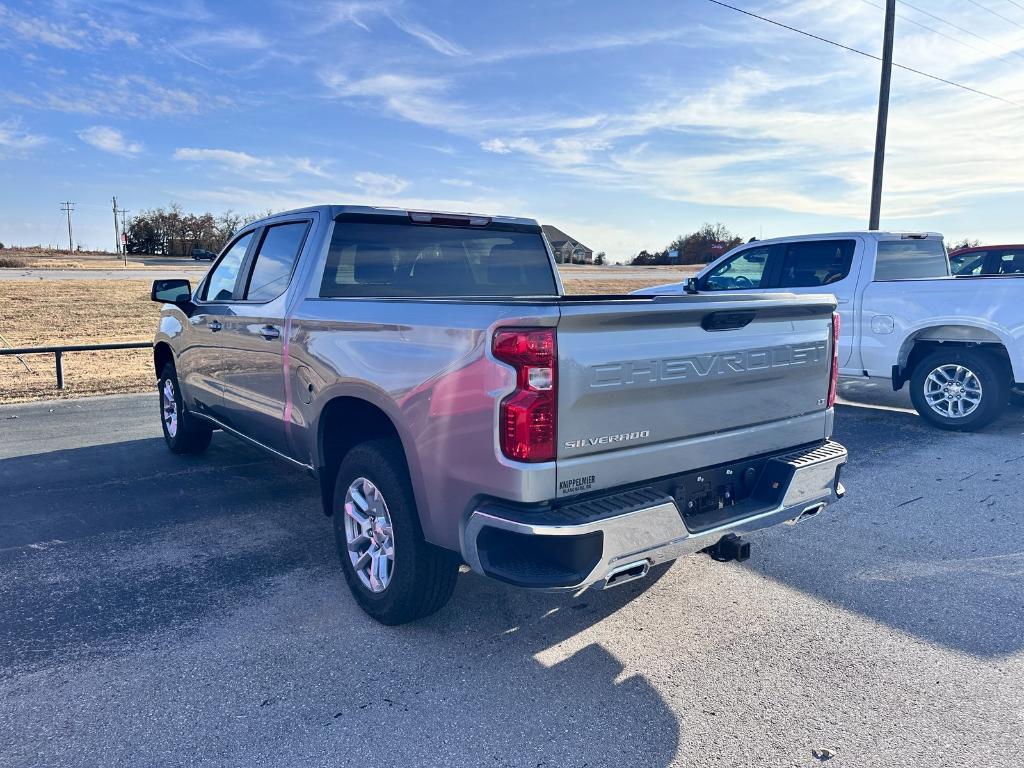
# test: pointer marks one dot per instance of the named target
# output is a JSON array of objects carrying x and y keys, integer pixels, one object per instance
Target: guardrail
[{"x": 58, "y": 352}]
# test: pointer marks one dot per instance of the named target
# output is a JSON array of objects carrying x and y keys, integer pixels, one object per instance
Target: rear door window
[
  {"x": 972, "y": 263},
  {"x": 815, "y": 263},
  {"x": 414, "y": 260},
  {"x": 1011, "y": 262},
  {"x": 747, "y": 269},
  {"x": 911, "y": 260},
  {"x": 221, "y": 284},
  {"x": 274, "y": 260}
]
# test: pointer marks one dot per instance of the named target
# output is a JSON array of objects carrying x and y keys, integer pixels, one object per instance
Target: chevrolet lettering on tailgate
[{"x": 706, "y": 366}]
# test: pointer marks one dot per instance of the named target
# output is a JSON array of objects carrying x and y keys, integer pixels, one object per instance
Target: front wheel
[
  {"x": 960, "y": 389},
  {"x": 183, "y": 433},
  {"x": 393, "y": 573}
]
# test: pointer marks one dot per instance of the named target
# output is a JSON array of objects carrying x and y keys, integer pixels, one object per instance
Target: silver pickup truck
[{"x": 455, "y": 406}]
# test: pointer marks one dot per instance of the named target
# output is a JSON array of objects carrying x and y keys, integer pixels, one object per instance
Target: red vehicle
[{"x": 988, "y": 260}]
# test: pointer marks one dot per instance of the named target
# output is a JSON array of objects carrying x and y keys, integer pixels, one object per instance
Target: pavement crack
[{"x": 909, "y": 501}]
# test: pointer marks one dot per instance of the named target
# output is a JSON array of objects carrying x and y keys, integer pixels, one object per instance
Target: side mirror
[
  {"x": 177, "y": 292},
  {"x": 690, "y": 286}
]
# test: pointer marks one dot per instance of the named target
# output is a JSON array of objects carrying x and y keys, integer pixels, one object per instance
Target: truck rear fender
[
  {"x": 924, "y": 341},
  {"x": 344, "y": 422}
]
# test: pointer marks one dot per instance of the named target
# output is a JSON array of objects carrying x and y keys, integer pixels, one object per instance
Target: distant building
[{"x": 567, "y": 249}]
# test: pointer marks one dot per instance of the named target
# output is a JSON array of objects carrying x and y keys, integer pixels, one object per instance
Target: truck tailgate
[{"x": 647, "y": 389}]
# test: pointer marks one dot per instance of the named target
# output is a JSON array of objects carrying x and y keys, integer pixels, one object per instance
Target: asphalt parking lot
[{"x": 157, "y": 610}]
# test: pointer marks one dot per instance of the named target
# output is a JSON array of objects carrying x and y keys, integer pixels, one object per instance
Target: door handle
[
  {"x": 214, "y": 325},
  {"x": 269, "y": 332}
]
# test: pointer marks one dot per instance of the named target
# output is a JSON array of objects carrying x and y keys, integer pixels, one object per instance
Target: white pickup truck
[{"x": 958, "y": 341}]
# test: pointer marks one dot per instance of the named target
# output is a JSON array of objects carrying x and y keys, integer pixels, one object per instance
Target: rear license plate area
[{"x": 719, "y": 489}]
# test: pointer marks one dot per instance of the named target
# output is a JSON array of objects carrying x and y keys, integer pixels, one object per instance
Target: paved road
[
  {"x": 156, "y": 610},
  {"x": 152, "y": 273}
]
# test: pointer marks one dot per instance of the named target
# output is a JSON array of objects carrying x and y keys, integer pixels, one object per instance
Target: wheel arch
[
  {"x": 344, "y": 422},
  {"x": 923, "y": 341},
  {"x": 162, "y": 355}
]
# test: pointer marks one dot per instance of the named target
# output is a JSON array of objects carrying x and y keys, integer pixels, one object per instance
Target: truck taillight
[
  {"x": 527, "y": 419},
  {"x": 834, "y": 376}
]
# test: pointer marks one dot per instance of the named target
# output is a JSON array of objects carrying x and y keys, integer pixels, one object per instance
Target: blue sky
[{"x": 624, "y": 124}]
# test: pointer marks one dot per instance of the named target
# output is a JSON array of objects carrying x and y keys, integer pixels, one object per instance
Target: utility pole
[
  {"x": 68, "y": 207},
  {"x": 117, "y": 230},
  {"x": 883, "y": 114},
  {"x": 124, "y": 233}
]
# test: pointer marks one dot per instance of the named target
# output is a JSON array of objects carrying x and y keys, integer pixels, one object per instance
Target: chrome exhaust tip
[
  {"x": 623, "y": 573},
  {"x": 808, "y": 513}
]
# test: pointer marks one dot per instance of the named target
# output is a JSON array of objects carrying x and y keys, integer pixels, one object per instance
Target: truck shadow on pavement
[
  {"x": 930, "y": 537},
  {"x": 212, "y": 583}
]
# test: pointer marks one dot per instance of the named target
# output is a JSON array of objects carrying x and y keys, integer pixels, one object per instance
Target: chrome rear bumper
[{"x": 647, "y": 529}]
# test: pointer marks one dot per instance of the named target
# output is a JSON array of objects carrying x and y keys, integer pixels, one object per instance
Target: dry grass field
[
  {"x": 45, "y": 258},
  {"x": 97, "y": 311},
  {"x": 75, "y": 312}
]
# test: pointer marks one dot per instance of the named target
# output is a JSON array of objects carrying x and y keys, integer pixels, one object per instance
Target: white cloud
[
  {"x": 121, "y": 95},
  {"x": 269, "y": 169},
  {"x": 229, "y": 158},
  {"x": 236, "y": 37},
  {"x": 575, "y": 44},
  {"x": 305, "y": 165},
  {"x": 464, "y": 183},
  {"x": 380, "y": 184},
  {"x": 14, "y": 139},
  {"x": 414, "y": 98},
  {"x": 560, "y": 151},
  {"x": 497, "y": 146},
  {"x": 437, "y": 42},
  {"x": 109, "y": 140},
  {"x": 75, "y": 32},
  {"x": 355, "y": 12},
  {"x": 360, "y": 12},
  {"x": 425, "y": 100}
]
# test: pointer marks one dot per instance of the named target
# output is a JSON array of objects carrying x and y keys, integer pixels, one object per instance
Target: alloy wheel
[
  {"x": 369, "y": 535},
  {"x": 169, "y": 408},
  {"x": 952, "y": 391}
]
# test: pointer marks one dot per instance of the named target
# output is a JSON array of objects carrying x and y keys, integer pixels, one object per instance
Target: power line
[
  {"x": 995, "y": 13},
  {"x": 960, "y": 29},
  {"x": 904, "y": 67},
  {"x": 1014, "y": 2},
  {"x": 909, "y": 20}
]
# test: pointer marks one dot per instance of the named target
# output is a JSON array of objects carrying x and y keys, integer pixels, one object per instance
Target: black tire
[
  {"x": 990, "y": 372},
  {"x": 186, "y": 434},
  {"x": 422, "y": 576}
]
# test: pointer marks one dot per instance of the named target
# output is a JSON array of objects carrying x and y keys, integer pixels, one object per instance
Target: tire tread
[
  {"x": 435, "y": 570},
  {"x": 995, "y": 381}
]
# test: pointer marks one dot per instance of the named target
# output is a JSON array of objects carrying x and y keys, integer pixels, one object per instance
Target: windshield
[{"x": 413, "y": 260}]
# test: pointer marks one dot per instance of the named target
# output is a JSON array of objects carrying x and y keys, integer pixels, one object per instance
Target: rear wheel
[
  {"x": 960, "y": 389},
  {"x": 183, "y": 432},
  {"x": 393, "y": 573}
]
